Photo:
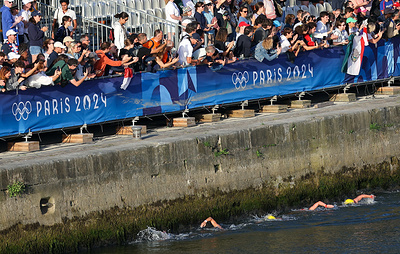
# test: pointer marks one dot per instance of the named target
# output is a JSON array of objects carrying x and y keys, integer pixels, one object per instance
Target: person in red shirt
[{"x": 101, "y": 64}]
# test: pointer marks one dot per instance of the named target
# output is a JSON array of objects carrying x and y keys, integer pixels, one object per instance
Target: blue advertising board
[{"x": 103, "y": 100}]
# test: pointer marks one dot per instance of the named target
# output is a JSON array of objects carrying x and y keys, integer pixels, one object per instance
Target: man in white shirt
[
  {"x": 60, "y": 13},
  {"x": 185, "y": 49},
  {"x": 322, "y": 32}
]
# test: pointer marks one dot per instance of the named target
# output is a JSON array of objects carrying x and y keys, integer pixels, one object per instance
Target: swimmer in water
[
  {"x": 213, "y": 222},
  {"x": 358, "y": 199},
  {"x": 319, "y": 203}
]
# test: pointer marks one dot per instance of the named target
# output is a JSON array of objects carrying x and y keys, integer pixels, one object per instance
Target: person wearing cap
[
  {"x": 240, "y": 30},
  {"x": 187, "y": 16},
  {"x": 58, "y": 18},
  {"x": 7, "y": 20},
  {"x": 26, "y": 15},
  {"x": 351, "y": 26},
  {"x": 243, "y": 44},
  {"x": 67, "y": 41},
  {"x": 10, "y": 44},
  {"x": 59, "y": 49},
  {"x": 358, "y": 199},
  {"x": 12, "y": 58},
  {"x": 35, "y": 34}
]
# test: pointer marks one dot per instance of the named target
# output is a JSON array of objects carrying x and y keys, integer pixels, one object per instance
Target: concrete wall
[{"x": 261, "y": 150}]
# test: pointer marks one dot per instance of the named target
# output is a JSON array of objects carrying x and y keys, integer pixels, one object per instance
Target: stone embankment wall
[{"x": 205, "y": 160}]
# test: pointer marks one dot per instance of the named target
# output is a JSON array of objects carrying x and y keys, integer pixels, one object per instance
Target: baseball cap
[
  {"x": 350, "y": 20},
  {"x": 26, "y": 1},
  {"x": 36, "y": 13},
  {"x": 10, "y": 32},
  {"x": 243, "y": 24},
  {"x": 67, "y": 39},
  {"x": 396, "y": 4},
  {"x": 93, "y": 55},
  {"x": 13, "y": 55},
  {"x": 58, "y": 44},
  {"x": 277, "y": 23},
  {"x": 207, "y": 2}
]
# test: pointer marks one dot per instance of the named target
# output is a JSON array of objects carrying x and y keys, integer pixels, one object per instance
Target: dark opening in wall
[{"x": 47, "y": 205}]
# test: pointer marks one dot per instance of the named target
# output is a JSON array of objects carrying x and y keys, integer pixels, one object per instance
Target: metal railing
[{"x": 98, "y": 17}]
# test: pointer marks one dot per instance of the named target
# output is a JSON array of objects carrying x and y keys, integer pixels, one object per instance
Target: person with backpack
[
  {"x": 154, "y": 43},
  {"x": 58, "y": 18}
]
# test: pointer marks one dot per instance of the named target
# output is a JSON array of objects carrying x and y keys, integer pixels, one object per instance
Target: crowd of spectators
[{"x": 214, "y": 33}]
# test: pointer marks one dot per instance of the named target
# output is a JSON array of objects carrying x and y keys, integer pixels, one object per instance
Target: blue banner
[{"x": 102, "y": 100}]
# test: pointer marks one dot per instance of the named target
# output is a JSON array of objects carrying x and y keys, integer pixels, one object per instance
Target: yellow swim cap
[
  {"x": 348, "y": 201},
  {"x": 270, "y": 217}
]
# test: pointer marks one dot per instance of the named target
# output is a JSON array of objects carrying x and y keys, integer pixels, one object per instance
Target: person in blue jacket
[{"x": 7, "y": 19}]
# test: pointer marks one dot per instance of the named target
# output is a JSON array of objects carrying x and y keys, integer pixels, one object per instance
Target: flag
[
  {"x": 355, "y": 56},
  {"x": 128, "y": 74}
]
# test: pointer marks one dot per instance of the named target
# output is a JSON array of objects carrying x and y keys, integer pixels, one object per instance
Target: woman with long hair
[
  {"x": 220, "y": 41},
  {"x": 265, "y": 50},
  {"x": 120, "y": 34},
  {"x": 5, "y": 74},
  {"x": 242, "y": 15},
  {"x": 35, "y": 34}
]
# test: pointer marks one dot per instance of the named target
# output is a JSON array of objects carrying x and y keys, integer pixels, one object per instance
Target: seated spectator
[
  {"x": 120, "y": 34},
  {"x": 243, "y": 44},
  {"x": 63, "y": 31},
  {"x": 259, "y": 11},
  {"x": 15, "y": 79},
  {"x": 340, "y": 32},
  {"x": 35, "y": 34},
  {"x": 66, "y": 72},
  {"x": 24, "y": 53},
  {"x": 10, "y": 45},
  {"x": 242, "y": 16},
  {"x": 265, "y": 50},
  {"x": 59, "y": 14},
  {"x": 48, "y": 47},
  {"x": 105, "y": 60},
  {"x": 154, "y": 43},
  {"x": 220, "y": 41}
]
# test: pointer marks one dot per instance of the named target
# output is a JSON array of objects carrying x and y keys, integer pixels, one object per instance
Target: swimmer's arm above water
[
  {"x": 358, "y": 199},
  {"x": 213, "y": 222},
  {"x": 320, "y": 203}
]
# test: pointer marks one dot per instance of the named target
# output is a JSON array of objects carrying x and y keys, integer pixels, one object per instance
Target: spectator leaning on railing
[{"x": 105, "y": 60}]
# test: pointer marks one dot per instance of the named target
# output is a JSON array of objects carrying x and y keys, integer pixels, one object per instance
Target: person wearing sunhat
[
  {"x": 7, "y": 20},
  {"x": 35, "y": 34},
  {"x": 10, "y": 44}
]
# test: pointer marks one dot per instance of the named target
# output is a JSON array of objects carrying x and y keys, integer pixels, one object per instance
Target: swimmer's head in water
[
  {"x": 270, "y": 217},
  {"x": 348, "y": 201}
]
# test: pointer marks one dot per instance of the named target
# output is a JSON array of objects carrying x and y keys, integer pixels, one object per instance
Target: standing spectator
[
  {"x": 63, "y": 31},
  {"x": 259, "y": 10},
  {"x": 10, "y": 44},
  {"x": 199, "y": 16},
  {"x": 58, "y": 18},
  {"x": 269, "y": 9},
  {"x": 20, "y": 26},
  {"x": 187, "y": 16},
  {"x": 211, "y": 20},
  {"x": 243, "y": 44},
  {"x": 172, "y": 14},
  {"x": 26, "y": 16},
  {"x": 7, "y": 19},
  {"x": 35, "y": 35},
  {"x": 242, "y": 15},
  {"x": 185, "y": 49},
  {"x": 120, "y": 34}
]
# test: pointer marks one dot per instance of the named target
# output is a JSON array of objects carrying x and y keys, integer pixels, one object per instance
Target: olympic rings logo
[
  {"x": 240, "y": 79},
  {"x": 21, "y": 110}
]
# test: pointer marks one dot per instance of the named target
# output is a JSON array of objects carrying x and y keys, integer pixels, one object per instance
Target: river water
[{"x": 368, "y": 227}]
